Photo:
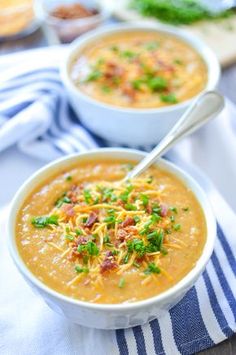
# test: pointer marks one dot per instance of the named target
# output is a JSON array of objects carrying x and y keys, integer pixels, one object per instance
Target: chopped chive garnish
[
  {"x": 157, "y": 84},
  {"x": 164, "y": 251},
  {"x": 68, "y": 178},
  {"x": 145, "y": 199},
  {"x": 172, "y": 219},
  {"x": 126, "y": 258},
  {"x": 152, "y": 268},
  {"x": 106, "y": 239},
  {"x": 44, "y": 221},
  {"x": 130, "y": 207},
  {"x": 92, "y": 248},
  {"x": 69, "y": 237},
  {"x": 155, "y": 217},
  {"x": 114, "y": 48},
  {"x": 87, "y": 196},
  {"x": 62, "y": 200},
  {"x": 136, "y": 245},
  {"x": 150, "y": 179},
  {"x": 94, "y": 75},
  {"x": 78, "y": 231},
  {"x": 150, "y": 46},
  {"x": 178, "y": 61},
  {"x": 80, "y": 269},
  {"x": 121, "y": 283},
  {"x": 185, "y": 209},
  {"x": 106, "y": 89},
  {"x": 177, "y": 227},
  {"x": 128, "y": 54},
  {"x": 136, "y": 219},
  {"x": 173, "y": 209},
  {"x": 170, "y": 98}
]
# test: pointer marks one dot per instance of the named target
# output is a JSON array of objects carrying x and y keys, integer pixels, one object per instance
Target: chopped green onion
[
  {"x": 62, "y": 200},
  {"x": 145, "y": 199},
  {"x": 136, "y": 219},
  {"x": 185, "y": 209},
  {"x": 157, "y": 84},
  {"x": 130, "y": 207},
  {"x": 92, "y": 248},
  {"x": 44, "y": 221},
  {"x": 152, "y": 268},
  {"x": 173, "y": 209},
  {"x": 150, "y": 179},
  {"x": 80, "y": 269},
  {"x": 106, "y": 89},
  {"x": 94, "y": 75},
  {"x": 69, "y": 237},
  {"x": 78, "y": 231},
  {"x": 87, "y": 196},
  {"x": 169, "y": 98},
  {"x": 121, "y": 283},
  {"x": 68, "y": 178},
  {"x": 177, "y": 227}
]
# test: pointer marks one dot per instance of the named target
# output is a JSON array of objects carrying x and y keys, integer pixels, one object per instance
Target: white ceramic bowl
[
  {"x": 133, "y": 127},
  {"x": 109, "y": 316}
]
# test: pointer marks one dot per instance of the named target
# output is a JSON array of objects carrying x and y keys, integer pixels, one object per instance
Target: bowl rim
[
  {"x": 56, "y": 165},
  {"x": 207, "y": 54}
]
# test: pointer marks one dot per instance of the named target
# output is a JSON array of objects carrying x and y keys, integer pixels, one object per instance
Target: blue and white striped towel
[{"x": 34, "y": 114}]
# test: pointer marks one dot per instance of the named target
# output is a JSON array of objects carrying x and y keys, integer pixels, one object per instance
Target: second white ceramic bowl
[
  {"x": 109, "y": 316},
  {"x": 129, "y": 126}
]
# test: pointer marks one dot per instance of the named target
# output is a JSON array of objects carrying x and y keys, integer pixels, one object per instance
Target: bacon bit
[
  {"x": 73, "y": 196},
  {"x": 165, "y": 66},
  {"x": 73, "y": 11},
  {"x": 80, "y": 241},
  {"x": 108, "y": 263},
  {"x": 149, "y": 208},
  {"x": 164, "y": 210},
  {"x": 68, "y": 209},
  {"x": 129, "y": 91},
  {"x": 131, "y": 229},
  {"x": 92, "y": 218},
  {"x": 129, "y": 221},
  {"x": 109, "y": 253},
  {"x": 121, "y": 234},
  {"x": 120, "y": 203},
  {"x": 113, "y": 70}
]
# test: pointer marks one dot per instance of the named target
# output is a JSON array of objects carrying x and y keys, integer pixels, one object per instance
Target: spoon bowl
[{"x": 205, "y": 108}]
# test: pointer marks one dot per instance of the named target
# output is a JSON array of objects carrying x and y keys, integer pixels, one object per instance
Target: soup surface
[
  {"x": 87, "y": 235},
  {"x": 139, "y": 70}
]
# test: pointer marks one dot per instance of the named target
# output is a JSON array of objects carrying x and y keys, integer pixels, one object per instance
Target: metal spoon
[{"x": 206, "y": 107}]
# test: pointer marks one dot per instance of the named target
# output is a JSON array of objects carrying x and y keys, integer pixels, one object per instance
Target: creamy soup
[
  {"x": 92, "y": 237},
  {"x": 139, "y": 70}
]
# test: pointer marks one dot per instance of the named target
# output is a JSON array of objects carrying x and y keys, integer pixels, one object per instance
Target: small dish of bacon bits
[
  {"x": 70, "y": 19},
  {"x": 73, "y": 11}
]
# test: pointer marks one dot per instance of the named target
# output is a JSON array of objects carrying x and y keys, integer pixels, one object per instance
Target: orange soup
[
  {"x": 139, "y": 70},
  {"x": 88, "y": 235}
]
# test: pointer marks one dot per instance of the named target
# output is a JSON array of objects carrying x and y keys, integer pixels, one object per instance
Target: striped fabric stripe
[{"x": 207, "y": 313}]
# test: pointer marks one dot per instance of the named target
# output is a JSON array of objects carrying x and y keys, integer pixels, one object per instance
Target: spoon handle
[{"x": 206, "y": 107}]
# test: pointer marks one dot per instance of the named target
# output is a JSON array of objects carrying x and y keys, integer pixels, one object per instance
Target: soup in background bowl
[
  {"x": 120, "y": 253},
  {"x": 131, "y": 83},
  {"x": 139, "y": 69}
]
